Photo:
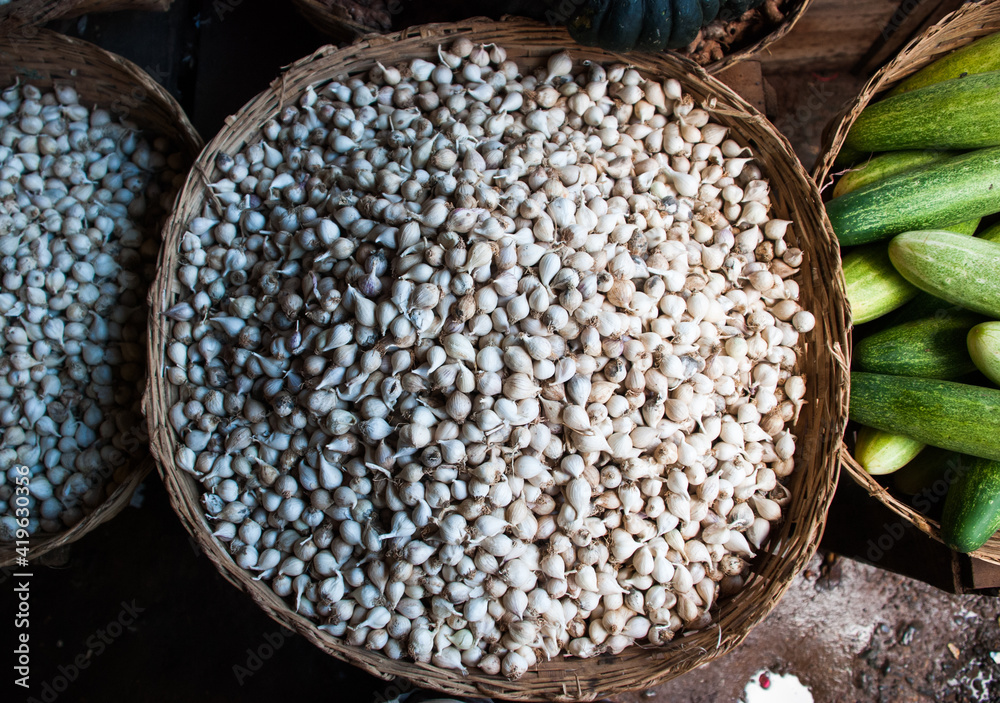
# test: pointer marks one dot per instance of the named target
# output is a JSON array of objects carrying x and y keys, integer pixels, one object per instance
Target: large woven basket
[
  {"x": 820, "y": 426},
  {"x": 973, "y": 20},
  {"x": 101, "y": 78},
  {"x": 21, "y": 13},
  {"x": 337, "y": 23}
]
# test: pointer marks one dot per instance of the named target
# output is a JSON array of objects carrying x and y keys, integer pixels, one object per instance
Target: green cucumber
[
  {"x": 849, "y": 157},
  {"x": 972, "y": 506},
  {"x": 873, "y": 285},
  {"x": 968, "y": 228},
  {"x": 962, "y": 270},
  {"x": 963, "y": 113},
  {"x": 925, "y": 304},
  {"x": 928, "y": 348},
  {"x": 881, "y": 453},
  {"x": 984, "y": 348},
  {"x": 991, "y": 234},
  {"x": 938, "y": 195},
  {"x": 926, "y": 468},
  {"x": 944, "y": 414},
  {"x": 884, "y": 165},
  {"x": 980, "y": 56}
]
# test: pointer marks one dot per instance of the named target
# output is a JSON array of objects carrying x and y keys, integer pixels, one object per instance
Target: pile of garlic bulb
[
  {"x": 79, "y": 191},
  {"x": 484, "y": 368}
]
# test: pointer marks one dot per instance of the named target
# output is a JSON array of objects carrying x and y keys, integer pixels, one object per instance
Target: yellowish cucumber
[
  {"x": 926, "y": 305},
  {"x": 991, "y": 233},
  {"x": 980, "y": 56},
  {"x": 881, "y": 452},
  {"x": 885, "y": 165},
  {"x": 921, "y": 473},
  {"x": 874, "y": 287},
  {"x": 962, "y": 270},
  {"x": 963, "y": 113},
  {"x": 984, "y": 348}
]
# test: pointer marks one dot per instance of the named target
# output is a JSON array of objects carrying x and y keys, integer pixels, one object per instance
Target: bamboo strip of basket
[
  {"x": 17, "y": 15},
  {"x": 825, "y": 363},
  {"x": 45, "y": 58},
  {"x": 962, "y": 27}
]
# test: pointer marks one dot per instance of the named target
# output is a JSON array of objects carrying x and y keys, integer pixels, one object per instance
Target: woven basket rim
[
  {"x": 800, "y": 536},
  {"x": 961, "y": 27},
  {"x": 78, "y": 55},
  {"x": 19, "y": 13},
  {"x": 331, "y": 23}
]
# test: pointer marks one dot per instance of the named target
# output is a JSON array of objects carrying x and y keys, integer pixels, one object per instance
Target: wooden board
[
  {"x": 747, "y": 79},
  {"x": 832, "y": 34},
  {"x": 912, "y": 18}
]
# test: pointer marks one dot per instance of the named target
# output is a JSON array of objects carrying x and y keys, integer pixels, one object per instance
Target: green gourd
[
  {"x": 710, "y": 10},
  {"x": 657, "y": 22},
  {"x": 585, "y": 25},
  {"x": 687, "y": 23},
  {"x": 648, "y": 25},
  {"x": 622, "y": 25}
]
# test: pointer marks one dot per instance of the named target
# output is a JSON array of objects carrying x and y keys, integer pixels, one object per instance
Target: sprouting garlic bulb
[
  {"x": 483, "y": 368},
  {"x": 80, "y": 194}
]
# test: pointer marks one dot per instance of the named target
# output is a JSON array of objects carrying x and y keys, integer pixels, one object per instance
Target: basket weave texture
[
  {"x": 37, "y": 12},
  {"x": 335, "y": 22},
  {"x": 972, "y": 21},
  {"x": 45, "y": 58},
  {"x": 824, "y": 363}
]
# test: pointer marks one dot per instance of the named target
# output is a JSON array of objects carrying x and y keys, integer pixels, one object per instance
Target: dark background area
[{"x": 194, "y": 636}]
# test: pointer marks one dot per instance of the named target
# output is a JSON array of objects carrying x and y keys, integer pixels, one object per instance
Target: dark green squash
[
  {"x": 738, "y": 7},
  {"x": 647, "y": 25},
  {"x": 622, "y": 25},
  {"x": 585, "y": 25},
  {"x": 657, "y": 21},
  {"x": 709, "y": 10},
  {"x": 687, "y": 23}
]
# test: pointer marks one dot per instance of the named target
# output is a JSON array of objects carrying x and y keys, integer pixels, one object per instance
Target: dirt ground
[{"x": 851, "y": 632}]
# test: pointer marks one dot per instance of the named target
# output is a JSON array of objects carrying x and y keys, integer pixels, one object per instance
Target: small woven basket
[
  {"x": 334, "y": 21},
  {"x": 970, "y": 22},
  {"x": 44, "y": 58},
  {"x": 824, "y": 363}
]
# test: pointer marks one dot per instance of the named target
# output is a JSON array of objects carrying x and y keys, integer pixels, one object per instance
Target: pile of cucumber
[{"x": 914, "y": 215}]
